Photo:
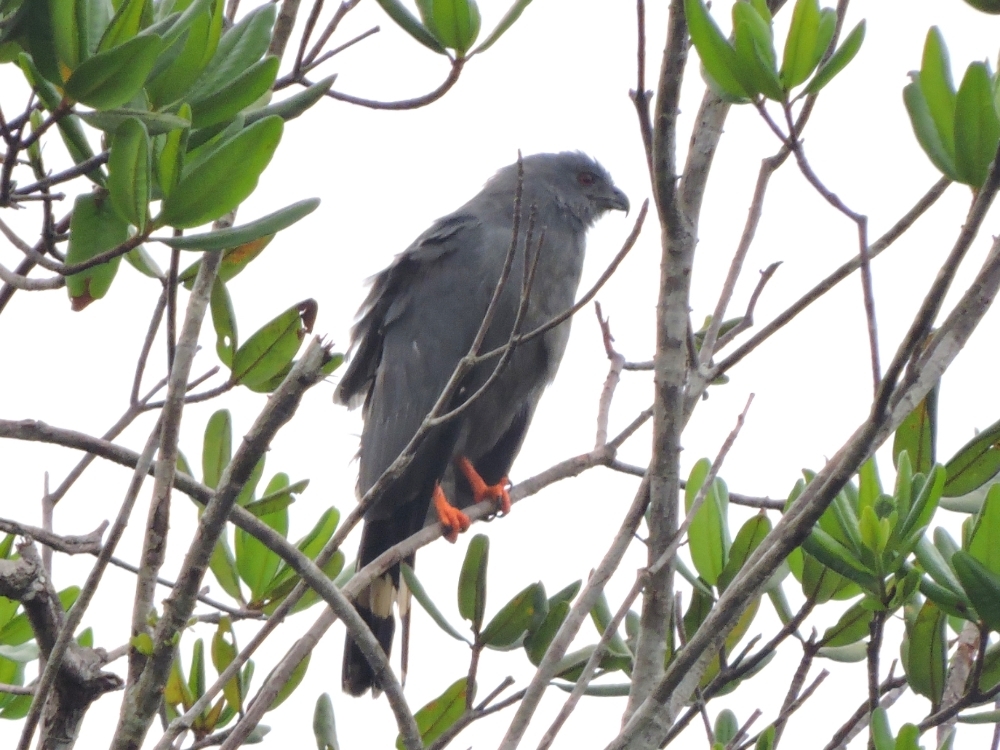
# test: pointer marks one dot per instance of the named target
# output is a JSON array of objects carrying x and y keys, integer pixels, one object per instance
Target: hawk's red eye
[{"x": 586, "y": 178}]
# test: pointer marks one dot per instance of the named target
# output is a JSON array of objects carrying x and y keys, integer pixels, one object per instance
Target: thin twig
[
  {"x": 617, "y": 362},
  {"x": 75, "y": 614},
  {"x": 641, "y": 582},
  {"x": 883, "y": 243},
  {"x": 404, "y": 104}
]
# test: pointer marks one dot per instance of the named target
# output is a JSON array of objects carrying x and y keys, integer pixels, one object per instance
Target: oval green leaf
[
  {"x": 718, "y": 57},
  {"x": 224, "y": 179},
  {"x": 977, "y": 127},
  {"x": 472, "y": 582},
  {"x": 270, "y": 350},
  {"x": 95, "y": 227},
  {"x": 838, "y": 60},
  {"x": 438, "y": 715},
  {"x": 522, "y": 613},
  {"x": 926, "y": 657},
  {"x": 130, "y": 172},
  {"x": 976, "y": 463},
  {"x": 232, "y": 237},
  {"x": 110, "y": 79},
  {"x": 237, "y": 95}
]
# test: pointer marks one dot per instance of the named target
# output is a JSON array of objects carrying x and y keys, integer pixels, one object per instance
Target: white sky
[{"x": 559, "y": 80}]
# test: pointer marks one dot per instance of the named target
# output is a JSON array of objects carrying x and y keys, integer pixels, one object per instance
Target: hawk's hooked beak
[{"x": 618, "y": 200}]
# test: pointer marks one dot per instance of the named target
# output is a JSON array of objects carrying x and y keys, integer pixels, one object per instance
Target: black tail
[
  {"x": 376, "y": 603},
  {"x": 356, "y": 674}
]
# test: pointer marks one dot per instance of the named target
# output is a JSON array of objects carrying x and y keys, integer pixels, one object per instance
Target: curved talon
[
  {"x": 482, "y": 491},
  {"x": 452, "y": 518}
]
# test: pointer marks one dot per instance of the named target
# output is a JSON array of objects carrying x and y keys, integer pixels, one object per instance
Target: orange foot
[
  {"x": 482, "y": 491},
  {"x": 451, "y": 517}
]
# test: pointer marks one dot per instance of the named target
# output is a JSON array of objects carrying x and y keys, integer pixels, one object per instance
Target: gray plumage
[{"x": 420, "y": 319}]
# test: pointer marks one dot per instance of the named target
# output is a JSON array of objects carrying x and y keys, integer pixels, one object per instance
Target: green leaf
[
  {"x": 95, "y": 227},
  {"x": 926, "y": 658},
  {"x": 748, "y": 538},
  {"x": 852, "y": 653},
  {"x": 881, "y": 732},
  {"x": 506, "y": 22},
  {"x": 835, "y": 556},
  {"x": 935, "y": 564},
  {"x": 977, "y": 127},
  {"x": 869, "y": 485},
  {"x": 797, "y": 62},
  {"x": 727, "y": 726},
  {"x": 142, "y": 643},
  {"x": 420, "y": 594},
  {"x": 233, "y": 261},
  {"x": 981, "y": 585},
  {"x": 954, "y": 605},
  {"x": 754, "y": 44},
  {"x": 232, "y": 237},
  {"x": 17, "y": 629},
  {"x": 976, "y": 463},
  {"x": 601, "y": 616},
  {"x": 130, "y": 172},
  {"x": 69, "y": 24},
  {"x": 539, "y": 640},
  {"x": 224, "y": 179},
  {"x": 618, "y": 690},
  {"x": 223, "y": 652},
  {"x": 718, "y": 57},
  {"x": 217, "y": 448},
  {"x": 708, "y": 532},
  {"x": 69, "y": 126},
  {"x": 224, "y": 322},
  {"x": 566, "y": 594},
  {"x": 984, "y": 542},
  {"x": 124, "y": 24},
  {"x": 472, "y": 582},
  {"x": 239, "y": 48},
  {"x": 766, "y": 739},
  {"x": 701, "y": 604},
  {"x": 255, "y": 562},
  {"x": 277, "y": 499},
  {"x": 838, "y": 60},
  {"x": 237, "y": 95},
  {"x": 202, "y": 23},
  {"x": 324, "y": 725},
  {"x": 293, "y": 106},
  {"x": 981, "y": 717},
  {"x": 270, "y": 350},
  {"x": 922, "y": 510},
  {"x": 903, "y": 491},
  {"x": 169, "y": 163},
  {"x": 850, "y": 628},
  {"x": 110, "y": 79},
  {"x": 223, "y": 565},
  {"x": 293, "y": 682},
  {"x": 156, "y": 123},
  {"x": 938, "y": 88},
  {"x": 917, "y": 435},
  {"x": 438, "y": 715},
  {"x": 455, "y": 23},
  {"x": 524, "y": 612},
  {"x": 925, "y": 130},
  {"x": 409, "y": 23}
]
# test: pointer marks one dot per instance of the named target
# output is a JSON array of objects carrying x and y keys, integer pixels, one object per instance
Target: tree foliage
[{"x": 167, "y": 113}]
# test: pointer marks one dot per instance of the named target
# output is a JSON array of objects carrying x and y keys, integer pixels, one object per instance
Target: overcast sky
[{"x": 559, "y": 80}]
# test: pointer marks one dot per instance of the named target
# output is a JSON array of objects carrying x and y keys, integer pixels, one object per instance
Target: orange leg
[
  {"x": 451, "y": 517},
  {"x": 482, "y": 491}
]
